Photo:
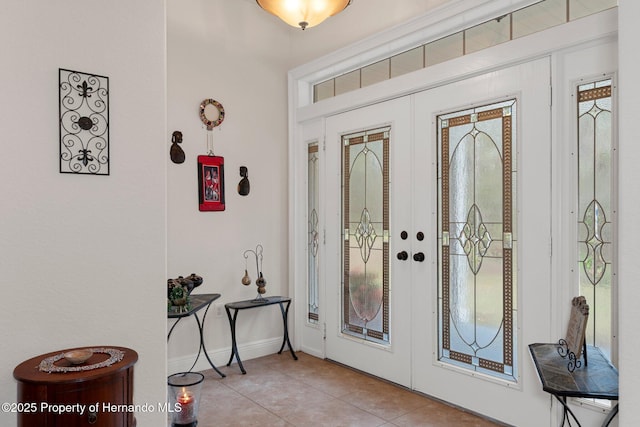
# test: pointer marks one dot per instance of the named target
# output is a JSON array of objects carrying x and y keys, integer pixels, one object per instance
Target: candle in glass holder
[{"x": 187, "y": 402}]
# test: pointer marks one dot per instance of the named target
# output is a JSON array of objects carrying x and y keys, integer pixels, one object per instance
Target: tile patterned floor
[{"x": 278, "y": 391}]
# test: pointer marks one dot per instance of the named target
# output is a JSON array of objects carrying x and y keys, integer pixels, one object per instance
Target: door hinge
[{"x": 324, "y": 331}]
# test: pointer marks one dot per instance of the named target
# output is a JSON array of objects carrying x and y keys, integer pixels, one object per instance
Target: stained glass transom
[
  {"x": 595, "y": 208},
  {"x": 312, "y": 233},
  {"x": 476, "y": 194},
  {"x": 365, "y": 211}
]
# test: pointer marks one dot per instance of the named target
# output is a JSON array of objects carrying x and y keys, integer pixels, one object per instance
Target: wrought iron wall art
[
  {"x": 176, "y": 153},
  {"x": 84, "y": 123}
]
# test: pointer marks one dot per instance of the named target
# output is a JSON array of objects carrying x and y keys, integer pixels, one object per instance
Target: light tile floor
[{"x": 279, "y": 391}]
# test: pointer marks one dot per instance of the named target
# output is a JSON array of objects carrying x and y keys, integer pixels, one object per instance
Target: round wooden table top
[{"x": 29, "y": 370}]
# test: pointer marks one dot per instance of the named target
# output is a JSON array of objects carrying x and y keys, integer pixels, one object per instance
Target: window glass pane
[
  {"x": 365, "y": 295},
  {"x": 488, "y": 34},
  {"x": 323, "y": 90},
  {"x": 407, "y": 62},
  {"x": 595, "y": 209},
  {"x": 477, "y": 284},
  {"x": 444, "y": 49},
  {"x": 375, "y": 73},
  {"x": 580, "y": 8},
  {"x": 313, "y": 231},
  {"x": 347, "y": 82},
  {"x": 538, "y": 17}
]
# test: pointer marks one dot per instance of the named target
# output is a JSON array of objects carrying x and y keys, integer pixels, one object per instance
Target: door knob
[
  {"x": 403, "y": 256},
  {"x": 419, "y": 256}
]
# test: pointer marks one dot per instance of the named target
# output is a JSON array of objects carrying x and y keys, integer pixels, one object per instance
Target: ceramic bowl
[{"x": 79, "y": 356}]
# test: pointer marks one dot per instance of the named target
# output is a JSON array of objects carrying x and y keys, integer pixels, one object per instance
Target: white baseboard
[
  {"x": 312, "y": 352},
  {"x": 220, "y": 356}
]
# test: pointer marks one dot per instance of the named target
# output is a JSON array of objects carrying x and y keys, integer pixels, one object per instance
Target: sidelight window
[
  {"x": 313, "y": 242},
  {"x": 596, "y": 209}
]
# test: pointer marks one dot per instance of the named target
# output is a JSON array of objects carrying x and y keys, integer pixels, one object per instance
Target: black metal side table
[
  {"x": 198, "y": 302},
  {"x": 283, "y": 302},
  {"x": 597, "y": 380}
]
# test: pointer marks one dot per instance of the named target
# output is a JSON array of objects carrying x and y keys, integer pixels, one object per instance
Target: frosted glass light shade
[{"x": 303, "y": 13}]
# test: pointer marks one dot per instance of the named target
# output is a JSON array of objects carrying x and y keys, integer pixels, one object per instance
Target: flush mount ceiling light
[{"x": 303, "y": 13}]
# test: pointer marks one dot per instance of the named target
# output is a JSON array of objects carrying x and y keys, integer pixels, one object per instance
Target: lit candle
[{"x": 187, "y": 407}]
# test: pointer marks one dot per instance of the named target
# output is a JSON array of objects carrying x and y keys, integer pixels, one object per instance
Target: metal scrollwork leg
[{"x": 563, "y": 348}]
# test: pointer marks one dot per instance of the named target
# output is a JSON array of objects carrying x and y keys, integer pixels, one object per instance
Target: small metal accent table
[
  {"x": 198, "y": 302},
  {"x": 597, "y": 380},
  {"x": 243, "y": 305}
]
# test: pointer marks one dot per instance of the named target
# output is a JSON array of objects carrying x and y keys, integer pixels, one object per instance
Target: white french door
[
  {"x": 368, "y": 297},
  {"x": 489, "y": 236},
  {"x": 485, "y": 352}
]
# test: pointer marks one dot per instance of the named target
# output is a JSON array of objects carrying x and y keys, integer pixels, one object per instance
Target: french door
[
  {"x": 368, "y": 314},
  {"x": 489, "y": 231},
  {"x": 438, "y": 240}
]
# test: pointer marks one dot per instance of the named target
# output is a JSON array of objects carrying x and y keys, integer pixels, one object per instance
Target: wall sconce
[{"x": 303, "y": 13}]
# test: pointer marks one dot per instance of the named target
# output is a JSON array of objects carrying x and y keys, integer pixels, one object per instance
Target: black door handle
[
  {"x": 419, "y": 256},
  {"x": 403, "y": 256}
]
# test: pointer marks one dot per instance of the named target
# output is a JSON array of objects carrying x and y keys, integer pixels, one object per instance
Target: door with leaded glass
[
  {"x": 489, "y": 233},
  {"x": 368, "y": 201}
]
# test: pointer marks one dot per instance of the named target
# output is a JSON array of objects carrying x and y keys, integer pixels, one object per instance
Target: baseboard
[{"x": 220, "y": 357}]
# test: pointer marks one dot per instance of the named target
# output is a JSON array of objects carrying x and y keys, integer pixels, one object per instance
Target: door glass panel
[
  {"x": 313, "y": 234},
  {"x": 365, "y": 179},
  {"x": 476, "y": 176},
  {"x": 595, "y": 213}
]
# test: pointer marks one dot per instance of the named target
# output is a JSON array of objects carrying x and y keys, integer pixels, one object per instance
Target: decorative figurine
[
  {"x": 261, "y": 283},
  {"x": 176, "y": 153},
  {"x": 179, "y": 290},
  {"x": 243, "y": 185}
]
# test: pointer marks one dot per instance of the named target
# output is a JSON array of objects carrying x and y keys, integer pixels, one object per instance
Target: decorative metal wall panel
[
  {"x": 595, "y": 208},
  {"x": 365, "y": 294},
  {"x": 84, "y": 123},
  {"x": 476, "y": 239},
  {"x": 313, "y": 194}
]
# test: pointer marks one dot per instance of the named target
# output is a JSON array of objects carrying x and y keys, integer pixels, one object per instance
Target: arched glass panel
[
  {"x": 365, "y": 180},
  {"x": 477, "y": 302}
]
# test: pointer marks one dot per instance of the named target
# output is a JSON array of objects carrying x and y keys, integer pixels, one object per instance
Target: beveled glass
[
  {"x": 595, "y": 208},
  {"x": 313, "y": 232},
  {"x": 476, "y": 197},
  {"x": 365, "y": 296}
]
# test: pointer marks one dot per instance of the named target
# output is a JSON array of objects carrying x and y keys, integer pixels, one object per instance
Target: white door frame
[{"x": 553, "y": 42}]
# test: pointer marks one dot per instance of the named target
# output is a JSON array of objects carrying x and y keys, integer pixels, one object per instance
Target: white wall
[
  {"x": 82, "y": 258},
  {"x": 239, "y": 55},
  {"x": 228, "y": 51}
]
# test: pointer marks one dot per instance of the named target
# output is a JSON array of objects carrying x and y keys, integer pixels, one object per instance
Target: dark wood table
[
  {"x": 255, "y": 303},
  {"x": 596, "y": 380},
  {"x": 96, "y": 396},
  {"x": 198, "y": 302}
]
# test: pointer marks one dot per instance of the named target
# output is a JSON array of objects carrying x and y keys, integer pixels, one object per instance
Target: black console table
[
  {"x": 247, "y": 304},
  {"x": 198, "y": 302},
  {"x": 596, "y": 380}
]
